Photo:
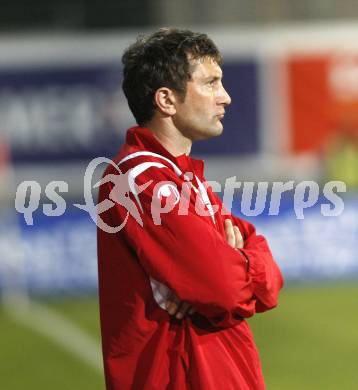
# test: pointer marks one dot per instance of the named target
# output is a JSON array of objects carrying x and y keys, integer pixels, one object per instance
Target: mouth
[{"x": 221, "y": 116}]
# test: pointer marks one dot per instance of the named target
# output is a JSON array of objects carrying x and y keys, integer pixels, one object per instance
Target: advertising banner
[
  {"x": 80, "y": 112},
  {"x": 323, "y": 99}
]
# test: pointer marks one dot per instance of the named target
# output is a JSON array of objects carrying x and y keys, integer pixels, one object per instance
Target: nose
[{"x": 224, "y": 98}]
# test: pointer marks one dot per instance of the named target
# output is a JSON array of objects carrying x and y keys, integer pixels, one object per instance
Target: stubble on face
[{"x": 199, "y": 115}]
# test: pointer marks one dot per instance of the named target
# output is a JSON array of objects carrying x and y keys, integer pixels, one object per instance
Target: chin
[
  {"x": 216, "y": 132},
  {"x": 209, "y": 134},
  {"x": 202, "y": 134}
]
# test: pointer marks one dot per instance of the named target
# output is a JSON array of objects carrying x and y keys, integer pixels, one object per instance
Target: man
[{"x": 177, "y": 281}]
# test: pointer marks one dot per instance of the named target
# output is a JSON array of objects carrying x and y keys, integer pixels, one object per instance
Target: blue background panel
[{"x": 241, "y": 122}]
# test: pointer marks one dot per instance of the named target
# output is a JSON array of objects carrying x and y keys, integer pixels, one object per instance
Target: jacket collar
[{"x": 144, "y": 139}]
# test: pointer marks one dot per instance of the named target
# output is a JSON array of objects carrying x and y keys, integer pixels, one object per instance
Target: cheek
[
  {"x": 200, "y": 107},
  {"x": 204, "y": 104}
]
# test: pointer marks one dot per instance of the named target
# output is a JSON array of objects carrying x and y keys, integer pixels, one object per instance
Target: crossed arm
[
  {"x": 180, "y": 309},
  {"x": 209, "y": 276}
]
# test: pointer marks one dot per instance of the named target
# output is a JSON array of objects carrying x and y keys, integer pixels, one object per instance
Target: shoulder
[
  {"x": 140, "y": 172},
  {"x": 143, "y": 163}
]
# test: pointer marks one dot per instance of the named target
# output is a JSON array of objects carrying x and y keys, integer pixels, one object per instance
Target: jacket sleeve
[
  {"x": 266, "y": 277},
  {"x": 187, "y": 253}
]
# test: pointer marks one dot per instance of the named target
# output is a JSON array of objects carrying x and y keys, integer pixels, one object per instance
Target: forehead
[{"x": 204, "y": 68}]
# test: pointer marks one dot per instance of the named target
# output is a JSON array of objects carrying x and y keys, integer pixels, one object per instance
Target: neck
[{"x": 170, "y": 137}]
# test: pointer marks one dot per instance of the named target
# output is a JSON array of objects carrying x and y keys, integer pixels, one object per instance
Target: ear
[{"x": 165, "y": 100}]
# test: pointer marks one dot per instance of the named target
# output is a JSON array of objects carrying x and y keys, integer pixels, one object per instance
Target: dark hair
[{"x": 161, "y": 60}]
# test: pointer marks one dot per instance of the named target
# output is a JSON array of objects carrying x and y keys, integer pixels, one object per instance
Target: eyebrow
[{"x": 215, "y": 78}]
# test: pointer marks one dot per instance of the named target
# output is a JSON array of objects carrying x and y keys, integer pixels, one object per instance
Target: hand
[
  {"x": 178, "y": 308},
  {"x": 233, "y": 235}
]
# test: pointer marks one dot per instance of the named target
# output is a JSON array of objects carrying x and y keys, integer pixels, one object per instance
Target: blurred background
[{"x": 291, "y": 69}]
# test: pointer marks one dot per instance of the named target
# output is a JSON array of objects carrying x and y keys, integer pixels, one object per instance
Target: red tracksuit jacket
[{"x": 183, "y": 250}]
